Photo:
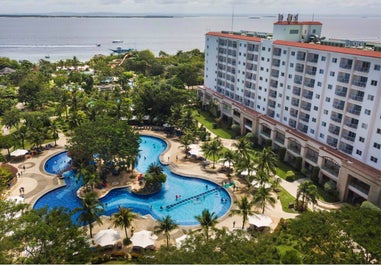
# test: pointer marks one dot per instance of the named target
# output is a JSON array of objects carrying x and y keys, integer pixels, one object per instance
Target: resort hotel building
[{"x": 315, "y": 100}]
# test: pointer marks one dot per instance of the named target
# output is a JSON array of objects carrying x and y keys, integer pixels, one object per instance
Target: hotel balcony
[
  {"x": 338, "y": 104},
  {"x": 294, "y": 147},
  {"x": 295, "y": 102},
  {"x": 266, "y": 132},
  {"x": 292, "y": 123},
  {"x": 279, "y": 138},
  {"x": 312, "y": 155},
  {"x": 296, "y": 91},
  {"x": 277, "y": 52},
  {"x": 341, "y": 91},
  {"x": 274, "y": 84},
  {"x": 308, "y": 94},
  {"x": 334, "y": 129},
  {"x": 276, "y": 63},
  {"x": 362, "y": 69},
  {"x": 346, "y": 148},
  {"x": 271, "y": 113},
  {"x": 306, "y": 106},
  {"x": 331, "y": 168},
  {"x": 310, "y": 83},
  {"x": 351, "y": 122},
  {"x": 357, "y": 95},
  {"x": 272, "y": 104},
  {"x": 274, "y": 73},
  {"x": 343, "y": 77},
  {"x": 359, "y": 186},
  {"x": 312, "y": 58},
  {"x": 346, "y": 63},
  {"x": 336, "y": 117},
  {"x": 354, "y": 109},
  {"x": 331, "y": 141},
  {"x": 301, "y": 56},
  {"x": 272, "y": 93},
  {"x": 303, "y": 128},
  {"x": 304, "y": 117},
  {"x": 299, "y": 68},
  {"x": 359, "y": 83},
  {"x": 293, "y": 113}
]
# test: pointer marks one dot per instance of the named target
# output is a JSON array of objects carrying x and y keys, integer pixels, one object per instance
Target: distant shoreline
[{"x": 88, "y": 16}]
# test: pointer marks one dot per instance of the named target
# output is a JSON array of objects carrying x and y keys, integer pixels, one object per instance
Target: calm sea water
[{"x": 61, "y": 38}]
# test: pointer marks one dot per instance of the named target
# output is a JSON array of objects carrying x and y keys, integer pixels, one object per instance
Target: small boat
[
  {"x": 98, "y": 45},
  {"x": 121, "y": 50},
  {"x": 117, "y": 41},
  {"x": 47, "y": 57}
]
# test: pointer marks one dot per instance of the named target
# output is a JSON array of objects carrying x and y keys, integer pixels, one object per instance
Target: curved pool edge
[{"x": 187, "y": 175}]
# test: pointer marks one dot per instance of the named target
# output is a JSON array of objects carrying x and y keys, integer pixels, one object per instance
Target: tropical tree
[
  {"x": 166, "y": 225},
  {"x": 244, "y": 209},
  {"x": 212, "y": 149},
  {"x": 207, "y": 220},
  {"x": 228, "y": 156},
  {"x": 187, "y": 139},
  {"x": 266, "y": 161},
  {"x": 123, "y": 218},
  {"x": 90, "y": 211},
  {"x": 262, "y": 196},
  {"x": 306, "y": 193},
  {"x": 154, "y": 177}
]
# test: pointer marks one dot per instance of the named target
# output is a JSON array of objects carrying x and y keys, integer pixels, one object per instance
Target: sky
[{"x": 173, "y": 7}]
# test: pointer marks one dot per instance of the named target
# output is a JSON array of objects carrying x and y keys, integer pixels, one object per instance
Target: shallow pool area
[{"x": 180, "y": 197}]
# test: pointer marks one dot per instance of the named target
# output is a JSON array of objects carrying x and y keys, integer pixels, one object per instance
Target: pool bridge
[{"x": 192, "y": 198}]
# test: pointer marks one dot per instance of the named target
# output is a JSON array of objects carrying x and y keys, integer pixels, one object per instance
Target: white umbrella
[
  {"x": 143, "y": 239},
  {"x": 19, "y": 152},
  {"x": 106, "y": 237},
  {"x": 257, "y": 185},
  {"x": 180, "y": 240},
  {"x": 16, "y": 199},
  {"x": 259, "y": 220},
  {"x": 195, "y": 150}
]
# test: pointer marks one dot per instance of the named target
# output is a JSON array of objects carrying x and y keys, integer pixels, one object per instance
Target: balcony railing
[
  {"x": 362, "y": 69},
  {"x": 312, "y": 156},
  {"x": 359, "y": 83},
  {"x": 356, "y": 96},
  {"x": 296, "y": 91},
  {"x": 334, "y": 170},
  {"x": 294, "y": 147},
  {"x": 349, "y": 137},
  {"x": 355, "y": 111}
]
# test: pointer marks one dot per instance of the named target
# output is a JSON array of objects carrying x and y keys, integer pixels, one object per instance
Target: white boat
[{"x": 117, "y": 41}]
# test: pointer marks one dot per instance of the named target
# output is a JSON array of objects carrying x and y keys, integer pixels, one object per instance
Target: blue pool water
[{"x": 201, "y": 194}]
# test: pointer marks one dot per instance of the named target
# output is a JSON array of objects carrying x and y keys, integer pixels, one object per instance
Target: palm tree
[
  {"x": 262, "y": 196},
  {"x": 90, "y": 211},
  {"x": 154, "y": 177},
  {"x": 187, "y": 120},
  {"x": 123, "y": 218},
  {"x": 266, "y": 161},
  {"x": 243, "y": 148},
  {"x": 244, "y": 209},
  {"x": 228, "y": 157},
  {"x": 307, "y": 191},
  {"x": 54, "y": 131},
  {"x": 213, "y": 149},
  {"x": 166, "y": 225},
  {"x": 207, "y": 220}
]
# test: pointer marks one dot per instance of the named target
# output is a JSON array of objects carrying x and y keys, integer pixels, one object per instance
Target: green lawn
[
  {"x": 207, "y": 120},
  {"x": 282, "y": 169},
  {"x": 285, "y": 199},
  {"x": 325, "y": 196}
]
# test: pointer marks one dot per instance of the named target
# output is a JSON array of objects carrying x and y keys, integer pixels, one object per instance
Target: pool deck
[{"x": 37, "y": 182}]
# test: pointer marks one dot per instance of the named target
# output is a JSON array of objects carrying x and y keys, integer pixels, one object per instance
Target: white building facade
[{"x": 296, "y": 91}]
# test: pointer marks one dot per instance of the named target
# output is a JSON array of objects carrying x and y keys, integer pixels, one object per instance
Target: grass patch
[
  {"x": 285, "y": 199},
  {"x": 325, "y": 196},
  {"x": 207, "y": 120},
  {"x": 282, "y": 169}
]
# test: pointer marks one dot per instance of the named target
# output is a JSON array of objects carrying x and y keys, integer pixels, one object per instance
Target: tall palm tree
[
  {"x": 243, "y": 148},
  {"x": 244, "y": 209},
  {"x": 123, "y": 218},
  {"x": 262, "y": 196},
  {"x": 166, "y": 225},
  {"x": 307, "y": 192},
  {"x": 207, "y": 220},
  {"x": 212, "y": 148},
  {"x": 154, "y": 177},
  {"x": 266, "y": 161},
  {"x": 90, "y": 211}
]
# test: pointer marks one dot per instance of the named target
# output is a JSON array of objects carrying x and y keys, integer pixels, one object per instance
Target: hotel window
[
  {"x": 370, "y": 97},
  {"x": 291, "y": 65},
  {"x": 332, "y": 73},
  {"x": 334, "y": 60},
  {"x": 378, "y": 130},
  {"x": 358, "y": 152},
  {"x": 317, "y": 96},
  {"x": 293, "y": 54},
  {"x": 285, "y": 118},
  {"x": 323, "y": 124},
  {"x": 284, "y": 52},
  {"x": 377, "y": 67},
  {"x": 364, "y": 126},
  {"x": 263, "y": 48},
  {"x": 325, "y": 112},
  {"x": 377, "y": 145},
  {"x": 316, "y": 108},
  {"x": 313, "y": 119},
  {"x": 362, "y": 139},
  {"x": 318, "y": 83},
  {"x": 294, "y": 31},
  {"x": 312, "y": 131},
  {"x": 286, "y": 108},
  {"x": 373, "y": 159},
  {"x": 321, "y": 71},
  {"x": 323, "y": 58},
  {"x": 329, "y": 86},
  {"x": 373, "y": 83},
  {"x": 327, "y": 99},
  {"x": 367, "y": 111},
  {"x": 321, "y": 135},
  {"x": 290, "y": 76}
]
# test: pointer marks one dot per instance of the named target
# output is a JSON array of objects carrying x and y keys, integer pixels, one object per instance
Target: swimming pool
[{"x": 196, "y": 194}]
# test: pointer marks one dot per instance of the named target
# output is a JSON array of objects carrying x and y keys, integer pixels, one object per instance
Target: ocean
[{"x": 56, "y": 38}]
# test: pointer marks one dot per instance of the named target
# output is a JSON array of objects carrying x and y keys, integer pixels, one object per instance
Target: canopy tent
[
  {"x": 106, "y": 237},
  {"x": 259, "y": 220},
  {"x": 19, "y": 152},
  {"x": 195, "y": 150},
  {"x": 256, "y": 184},
  {"x": 246, "y": 172},
  {"x": 180, "y": 240},
  {"x": 143, "y": 239}
]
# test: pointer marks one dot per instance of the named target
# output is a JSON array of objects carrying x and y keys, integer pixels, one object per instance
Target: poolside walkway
[{"x": 36, "y": 182}]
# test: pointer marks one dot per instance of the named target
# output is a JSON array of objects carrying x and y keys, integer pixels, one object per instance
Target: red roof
[
  {"x": 326, "y": 48},
  {"x": 298, "y": 23},
  {"x": 234, "y": 36}
]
